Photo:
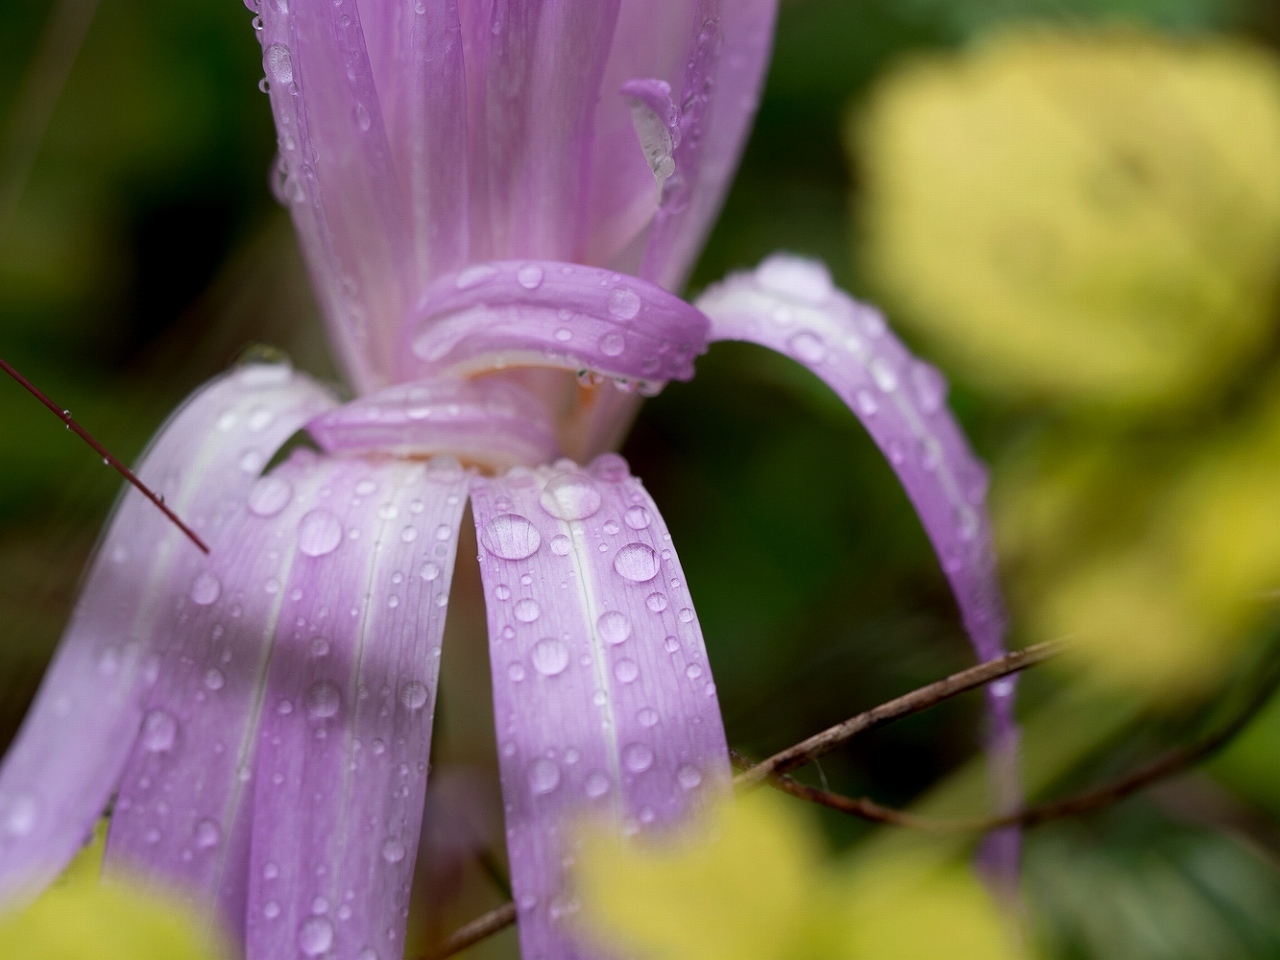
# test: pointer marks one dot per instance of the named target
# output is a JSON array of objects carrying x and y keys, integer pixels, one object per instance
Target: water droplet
[
  {"x": 205, "y": 589},
  {"x": 315, "y": 936},
  {"x": 693, "y": 671},
  {"x": 319, "y": 533},
  {"x": 689, "y": 777},
  {"x": 571, "y": 496},
  {"x": 368, "y": 953},
  {"x": 929, "y": 386},
  {"x": 430, "y": 571},
  {"x": 685, "y": 615},
  {"x": 510, "y": 537},
  {"x": 502, "y": 592},
  {"x": 647, "y": 717},
  {"x": 366, "y": 488},
  {"x": 803, "y": 280},
  {"x": 207, "y": 834},
  {"x": 414, "y": 695},
  {"x": 388, "y": 511},
  {"x": 530, "y": 276},
  {"x": 808, "y": 347},
  {"x": 393, "y": 850},
  {"x": 614, "y": 627},
  {"x": 596, "y": 785},
  {"x": 278, "y": 63},
  {"x": 159, "y": 731},
  {"x": 21, "y": 818},
  {"x": 516, "y": 672},
  {"x": 270, "y": 871},
  {"x": 560, "y": 545},
  {"x": 474, "y": 276},
  {"x": 271, "y": 910},
  {"x": 638, "y": 757},
  {"x": 636, "y": 562},
  {"x": 324, "y": 699},
  {"x": 527, "y": 610},
  {"x": 609, "y": 467},
  {"x": 409, "y": 534},
  {"x": 612, "y": 344},
  {"x": 884, "y": 375},
  {"x": 214, "y": 679},
  {"x": 362, "y": 118},
  {"x": 623, "y": 304},
  {"x": 610, "y": 527},
  {"x": 319, "y": 647},
  {"x": 657, "y": 602},
  {"x": 564, "y": 334},
  {"x": 544, "y": 776},
  {"x": 270, "y": 495},
  {"x": 626, "y": 671},
  {"x": 637, "y": 518},
  {"x": 550, "y": 656}
]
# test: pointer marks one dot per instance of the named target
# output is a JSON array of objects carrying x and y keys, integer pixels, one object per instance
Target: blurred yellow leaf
[
  {"x": 760, "y": 888},
  {"x": 1084, "y": 216},
  {"x": 81, "y": 918}
]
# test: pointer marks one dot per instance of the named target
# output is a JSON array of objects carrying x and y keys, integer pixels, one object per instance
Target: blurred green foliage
[{"x": 144, "y": 252}]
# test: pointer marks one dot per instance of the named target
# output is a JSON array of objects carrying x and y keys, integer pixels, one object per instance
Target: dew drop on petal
[
  {"x": 636, "y": 562},
  {"x": 205, "y": 589},
  {"x": 560, "y": 545},
  {"x": 571, "y": 496},
  {"x": 802, "y": 280},
  {"x": 207, "y": 834},
  {"x": 657, "y": 602},
  {"x": 626, "y": 671},
  {"x": 214, "y": 679},
  {"x": 624, "y": 303},
  {"x": 324, "y": 699},
  {"x": 414, "y": 695},
  {"x": 808, "y": 348},
  {"x": 430, "y": 571},
  {"x": 527, "y": 610},
  {"x": 884, "y": 375},
  {"x": 688, "y": 776},
  {"x": 544, "y": 776},
  {"x": 613, "y": 344},
  {"x": 637, "y": 517},
  {"x": 596, "y": 785},
  {"x": 393, "y": 850},
  {"x": 638, "y": 757},
  {"x": 530, "y": 276},
  {"x": 609, "y": 467},
  {"x": 550, "y": 656},
  {"x": 270, "y": 495},
  {"x": 315, "y": 936},
  {"x": 159, "y": 731},
  {"x": 21, "y": 817},
  {"x": 510, "y": 536},
  {"x": 278, "y": 63},
  {"x": 319, "y": 533},
  {"x": 614, "y": 627},
  {"x": 647, "y": 717}
]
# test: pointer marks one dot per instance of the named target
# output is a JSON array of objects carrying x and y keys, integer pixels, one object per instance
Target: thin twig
[
  {"x": 809, "y": 750},
  {"x": 479, "y": 929},
  {"x": 108, "y": 457},
  {"x": 823, "y": 743}
]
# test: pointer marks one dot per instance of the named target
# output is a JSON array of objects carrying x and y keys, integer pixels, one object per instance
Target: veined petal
[
  {"x": 337, "y": 178},
  {"x": 728, "y": 53},
  {"x": 61, "y": 770},
  {"x": 490, "y": 422},
  {"x": 342, "y": 754},
  {"x": 549, "y": 314},
  {"x": 603, "y": 698},
  {"x": 790, "y": 305},
  {"x": 539, "y": 64}
]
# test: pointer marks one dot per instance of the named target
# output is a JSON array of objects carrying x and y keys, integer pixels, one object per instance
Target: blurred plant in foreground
[
  {"x": 81, "y": 918},
  {"x": 763, "y": 889},
  {"x": 1094, "y": 220}
]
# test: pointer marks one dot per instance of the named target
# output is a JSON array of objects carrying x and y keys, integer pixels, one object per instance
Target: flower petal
[
  {"x": 342, "y": 754},
  {"x": 790, "y": 305},
  {"x": 491, "y": 422},
  {"x": 61, "y": 770},
  {"x": 728, "y": 54},
  {"x": 603, "y": 697},
  {"x": 549, "y": 314},
  {"x": 336, "y": 177}
]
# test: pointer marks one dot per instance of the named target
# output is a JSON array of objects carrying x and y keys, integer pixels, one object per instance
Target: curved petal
[
  {"x": 337, "y": 178},
  {"x": 61, "y": 770},
  {"x": 490, "y": 422},
  {"x": 549, "y": 314},
  {"x": 603, "y": 698},
  {"x": 790, "y": 305},
  {"x": 728, "y": 54},
  {"x": 342, "y": 753}
]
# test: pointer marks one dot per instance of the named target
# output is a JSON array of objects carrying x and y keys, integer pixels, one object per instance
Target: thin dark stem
[
  {"x": 478, "y": 929},
  {"x": 108, "y": 457}
]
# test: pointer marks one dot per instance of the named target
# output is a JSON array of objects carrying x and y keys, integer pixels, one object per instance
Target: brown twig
[
  {"x": 823, "y": 743},
  {"x": 477, "y": 930},
  {"x": 108, "y": 457}
]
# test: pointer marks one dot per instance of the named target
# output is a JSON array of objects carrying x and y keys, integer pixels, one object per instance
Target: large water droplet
[
  {"x": 808, "y": 348},
  {"x": 609, "y": 467},
  {"x": 414, "y": 695},
  {"x": 883, "y": 374},
  {"x": 657, "y": 602},
  {"x": 638, "y": 757},
  {"x": 636, "y": 562},
  {"x": 315, "y": 936},
  {"x": 561, "y": 545},
  {"x": 527, "y": 610},
  {"x": 614, "y": 627},
  {"x": 626, "y": 671},
  {"x": 596, "y": 785},
  {"x": 544, "y": 776},
  {"x": 393, "y": 850},
  {"x": 550, "y": 656},
  {"x": 624, "y": 303},
  {"x": 205, "y": 589},
  {"x": 270, "y": 495},
  {"x": 571, "y": 496},
  {"x": 511, "y": 537},
  {"x": 803, "y": 280},
  {"x": 647, "y": 717},
  {"x": 278, "y": 63},
  {"x": 688, "y": 776},
  {"x": 324, "y": 699},
  {"x": 159, "y": 731},
  {"x": 530, "y": 276},
  {"x": 319, "y": 533},
  {"x": 612, "y": 344},
  {"x": 637, "y": 517},
  {"x": 207, "y": 834},
  {"x": 214, "y": 679},
  {"x": 430, "y": 571}
]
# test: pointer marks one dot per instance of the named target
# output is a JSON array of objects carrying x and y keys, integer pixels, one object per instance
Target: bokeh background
[{"x": 1073, "y": 206}]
